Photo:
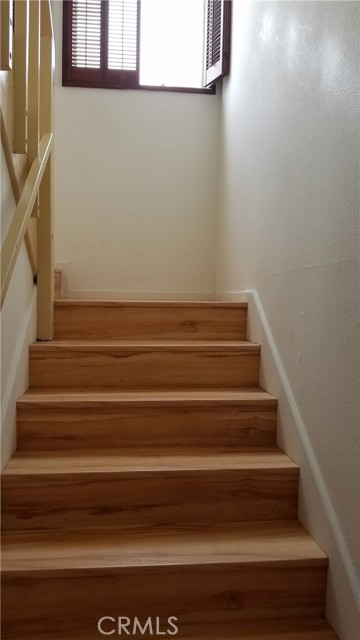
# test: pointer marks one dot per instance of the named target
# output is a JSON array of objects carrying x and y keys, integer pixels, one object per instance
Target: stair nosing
[
  {"x": 200, "y": 564},
  {"x": 211, "y": 304},
  {"x": 152, "y": 463},
  {"x": 165, "y": 398},
  {"x": 242, "y": 346},
  {"x": 140, "y": 548}
]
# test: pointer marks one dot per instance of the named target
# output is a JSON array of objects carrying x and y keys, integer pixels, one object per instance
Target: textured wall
[{"x": 289, "y": 210}]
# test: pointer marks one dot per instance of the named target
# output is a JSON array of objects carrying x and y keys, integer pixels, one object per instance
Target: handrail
[
  {"x": 15, "y": 186},
  {"x": 21, "y": 218},
  {"x": 32, "y": 86}
]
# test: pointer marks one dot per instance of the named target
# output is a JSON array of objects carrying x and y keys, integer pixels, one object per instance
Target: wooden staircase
[{"x": 147, "y": 483}]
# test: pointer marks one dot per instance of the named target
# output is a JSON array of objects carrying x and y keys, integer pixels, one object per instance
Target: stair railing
[{"x": 33, "y": 56}]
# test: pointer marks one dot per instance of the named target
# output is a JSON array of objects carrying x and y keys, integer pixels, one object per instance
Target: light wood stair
[
  {"x": 145, "y": 364},
  {"x": 147, "y": 482},
  {"x": 212, "y": 573},
  {"x": 82, "y": 319},
  {"x": 69, "y": 419},
  {"x": 115, "y": 488}
]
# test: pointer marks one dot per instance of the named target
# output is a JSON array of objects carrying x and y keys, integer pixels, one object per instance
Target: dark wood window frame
[
  {"x": 109, "y": 79},
  {"x": 217, "y": 40},
  {"x": 102, "y": 77}
]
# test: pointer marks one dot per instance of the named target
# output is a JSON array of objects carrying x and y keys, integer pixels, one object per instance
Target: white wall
[
  {"x": 136, "y": 189},
  {"x": 288, "y": 225}
]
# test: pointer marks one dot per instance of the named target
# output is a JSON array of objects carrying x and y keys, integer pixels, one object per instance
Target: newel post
[{"x": 45, "y": 278}]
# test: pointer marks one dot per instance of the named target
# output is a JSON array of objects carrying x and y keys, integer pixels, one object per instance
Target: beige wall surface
[
  {"x": 289, "y": 207},
  {"x": 136, "y": 188}
]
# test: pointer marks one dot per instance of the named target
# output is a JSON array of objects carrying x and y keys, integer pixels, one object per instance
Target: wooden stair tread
[
  {"x": 158, "y": 345},
  {"x": 61, "y": 419},
  {"x": 144, "y": 364},
  {"x": 116, "y": 319},
  {"x": 284, "y": 542},
  {"x": 127, "y": 461},
  {"x": 247, "y": 397},
  {"x": 210, "y": 525},
  {"x": 70, "y": 302},
  {"x": 268, "y": 629},
  {"x": 121, "y": 488}
]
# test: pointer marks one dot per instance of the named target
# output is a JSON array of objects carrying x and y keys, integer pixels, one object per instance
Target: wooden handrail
[
  {"x": 15, "y": 187},
  {"x": 32, "y": 137},
  {"x": 22, "y": 215}
]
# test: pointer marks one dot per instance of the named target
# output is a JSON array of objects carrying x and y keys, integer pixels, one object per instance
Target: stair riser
[
  {"x": 123, "y": 368},
  {"x": 43, "y": 429},
  {"x": 137, "y": 498},
  {"x": 201, "y": 594},
  {"x": 165, "y": 323}
]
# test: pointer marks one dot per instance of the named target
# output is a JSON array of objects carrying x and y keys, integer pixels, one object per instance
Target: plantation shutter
[
  {"x": 217, "y": 40},
  {"x": 101, "y": 43},
  {"x": 123, "y": 30}
]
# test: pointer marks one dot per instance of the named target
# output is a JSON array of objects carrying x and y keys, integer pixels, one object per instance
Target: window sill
[{"x": 141, "y": 87}]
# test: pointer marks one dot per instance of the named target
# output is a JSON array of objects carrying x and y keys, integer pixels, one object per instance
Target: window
[
  {"x": 217, "y": 39},
  {"x": 154, "y": 44}
]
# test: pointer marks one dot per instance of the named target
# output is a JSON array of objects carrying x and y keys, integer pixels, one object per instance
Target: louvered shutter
[
  {"x": 101, "y": 43},
  {"x": 83, "y": 48},
  {"x": 217, "y": 40}
]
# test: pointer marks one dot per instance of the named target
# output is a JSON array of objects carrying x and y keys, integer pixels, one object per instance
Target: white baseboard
[
  {"x": 316, "y": 510},
  {"x": 68, "y": 291},
  {"x": 17, "y": 380},
  {"x": 138, "y": 295}
]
